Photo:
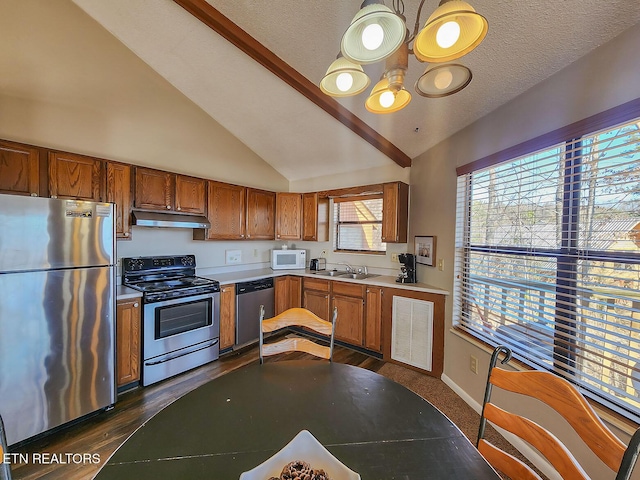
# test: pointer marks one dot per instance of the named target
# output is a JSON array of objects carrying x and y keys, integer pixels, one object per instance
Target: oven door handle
[{"x": 173, "y": 357}]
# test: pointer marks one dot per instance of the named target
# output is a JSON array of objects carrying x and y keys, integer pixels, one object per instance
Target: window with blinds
[
  {"x": 358, "y": 224},
  {"x": 548, "y": 260}
]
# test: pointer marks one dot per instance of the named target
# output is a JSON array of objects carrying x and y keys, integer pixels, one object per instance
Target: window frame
[
  {"x": 337, "y": 223},
  {"x": 569, "y": 253}
]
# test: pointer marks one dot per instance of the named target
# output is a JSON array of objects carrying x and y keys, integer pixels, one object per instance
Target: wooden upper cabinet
[
  {"x": 160, "y": 190},
  {"x": 261, "y": 208},
  {"x": 310, "y": 216},
  {"x": 395, "y": 212},
  {"x": 190, "y": 194},
  {"x": 288, "y": 216},
  {"x": 315, "y": 218},
  {"x": 154, "y": 189},
  {"x": 19, "y": 169},
  {"x": 226, "y": 208},
  {"x": 119, "y": 192},
  {"x": 75, "y": 176}
]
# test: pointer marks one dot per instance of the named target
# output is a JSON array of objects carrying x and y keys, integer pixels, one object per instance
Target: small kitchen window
[{"x": 358, "y": 224}]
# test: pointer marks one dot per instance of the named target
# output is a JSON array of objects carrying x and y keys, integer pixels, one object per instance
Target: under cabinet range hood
[{"x": 171, "y": 220}]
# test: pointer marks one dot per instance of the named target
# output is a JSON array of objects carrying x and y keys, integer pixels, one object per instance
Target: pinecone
[{"x": 297, "y": 470}]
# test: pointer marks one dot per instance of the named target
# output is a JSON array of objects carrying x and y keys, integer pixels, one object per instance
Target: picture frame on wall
[{"x": 425, "y": 250}]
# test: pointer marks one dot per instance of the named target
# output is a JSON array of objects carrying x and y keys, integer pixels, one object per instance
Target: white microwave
[{"x": 288, "y": 259}]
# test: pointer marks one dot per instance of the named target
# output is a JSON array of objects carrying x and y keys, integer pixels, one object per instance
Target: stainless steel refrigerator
[{"x": 57, "y": 312}]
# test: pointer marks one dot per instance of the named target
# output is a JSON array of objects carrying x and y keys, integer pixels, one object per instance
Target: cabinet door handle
[
  {"x": 126, "y": 234},
  {"x": 168, "y": 207},
  {"x": 179, "y": 208},
  {"x": 135, "y": 305}
]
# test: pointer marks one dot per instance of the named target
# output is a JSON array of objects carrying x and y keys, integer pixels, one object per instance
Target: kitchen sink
[
  {"x": 359, "y": 276},
  {"x": 355, "y": 276},
  {"x": 331, "y": 273}
]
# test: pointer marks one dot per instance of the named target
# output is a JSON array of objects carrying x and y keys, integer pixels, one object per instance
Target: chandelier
[{"x": 378, "y": 33}]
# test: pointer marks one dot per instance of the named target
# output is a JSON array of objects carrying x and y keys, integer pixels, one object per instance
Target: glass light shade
[
  {"x": 334, "y": 81},
  {"x": 393, "y": 26},
  {"x": 374, "y": 105},
  {"x": 473, "y": 29},
  {"x": 443, "y": 80}
]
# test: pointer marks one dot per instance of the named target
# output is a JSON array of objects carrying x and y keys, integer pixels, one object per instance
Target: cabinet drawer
[
  {"x": 316, "y": 284},
  {"x": 348, "y": 289}
]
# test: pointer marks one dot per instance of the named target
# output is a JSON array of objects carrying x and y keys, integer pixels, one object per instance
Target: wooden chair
[
  {"x": 297, "y": 317},
  {"x": 5, "y": 468},
  {"x": 566, "y": 400}
]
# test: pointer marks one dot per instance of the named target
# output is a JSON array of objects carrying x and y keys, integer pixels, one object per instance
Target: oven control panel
[{"x": 145, "y": 264}]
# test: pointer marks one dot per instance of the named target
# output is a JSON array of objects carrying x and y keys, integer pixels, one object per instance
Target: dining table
[{"x": 373, "y": 425}]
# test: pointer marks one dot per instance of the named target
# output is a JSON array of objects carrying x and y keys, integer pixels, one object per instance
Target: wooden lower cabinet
[
  {"x": 315, "y": 297},
  {"x": 227, "y": 316},
  {"x": 128, "y": 341},
  {"x": 288, "y": 293},
  {"x": 348, "y": 298},
  {"x": 350, "y": 320},
  {"x": 373, "y": 319}
]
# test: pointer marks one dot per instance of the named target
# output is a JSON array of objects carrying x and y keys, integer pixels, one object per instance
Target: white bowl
[{"x": 305, "y": 447}]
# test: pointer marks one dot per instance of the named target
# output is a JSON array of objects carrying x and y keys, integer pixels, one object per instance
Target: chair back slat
[
  {"x": 543, "y": 440},
  {"x": 565, "y": 399},
  {"x": 296, "y": 345},
  {"x": 297, "y": 317},
  {"x": 506, "y": 463}
]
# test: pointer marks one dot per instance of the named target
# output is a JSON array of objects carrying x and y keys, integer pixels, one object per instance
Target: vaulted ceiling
[{"x": 302, "y": 137}]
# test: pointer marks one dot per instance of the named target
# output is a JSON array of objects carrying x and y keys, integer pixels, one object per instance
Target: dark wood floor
[{"x": 103, "y": 433}]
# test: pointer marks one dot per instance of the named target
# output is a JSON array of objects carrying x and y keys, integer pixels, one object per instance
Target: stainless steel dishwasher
[{"x": 249, "y": 297}]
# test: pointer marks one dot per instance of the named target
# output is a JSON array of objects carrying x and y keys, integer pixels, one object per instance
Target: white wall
[
  {"x": 607, "y": 77},
  {"x": 68, "y": 84}
]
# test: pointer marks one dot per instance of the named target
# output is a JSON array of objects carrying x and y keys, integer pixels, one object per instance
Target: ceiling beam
[{"x": 215, "y": 20}]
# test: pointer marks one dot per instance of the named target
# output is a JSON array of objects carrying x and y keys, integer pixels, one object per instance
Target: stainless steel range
[{"x": 181, "y": 314}]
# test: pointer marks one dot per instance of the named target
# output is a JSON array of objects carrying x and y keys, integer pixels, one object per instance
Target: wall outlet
[
  {"x": 255, "y": 253},
  {"x": 394, "y": 257},
  {"x": 233, "y": 256},
  {"x": 323, "y": 254},
  {"x": 473, "y": 364}
]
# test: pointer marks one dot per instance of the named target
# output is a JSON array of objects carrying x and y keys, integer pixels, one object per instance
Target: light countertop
[
  {"x": 388, "y": 281},
  {"x": 126, "y": 293}
]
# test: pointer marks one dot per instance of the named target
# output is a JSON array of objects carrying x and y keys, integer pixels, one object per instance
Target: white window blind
[
  {"x": 548, "y": 260},
  {"x": 358, "y": 224}
]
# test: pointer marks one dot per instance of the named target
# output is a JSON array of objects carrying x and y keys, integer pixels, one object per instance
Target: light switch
[{"x": 441, "y": 264}]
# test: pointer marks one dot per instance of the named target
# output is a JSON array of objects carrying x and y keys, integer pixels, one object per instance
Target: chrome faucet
[{"x": 348, "y": 268}]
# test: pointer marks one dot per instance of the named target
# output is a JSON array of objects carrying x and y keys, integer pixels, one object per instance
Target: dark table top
[{"x": 375, "y": 426}]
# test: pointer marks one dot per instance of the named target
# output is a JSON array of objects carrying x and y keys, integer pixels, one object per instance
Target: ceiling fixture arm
[{"x": 416, "y": 27}]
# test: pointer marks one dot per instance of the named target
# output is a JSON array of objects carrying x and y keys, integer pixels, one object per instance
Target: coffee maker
[{"x": 407, "y": 268}]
